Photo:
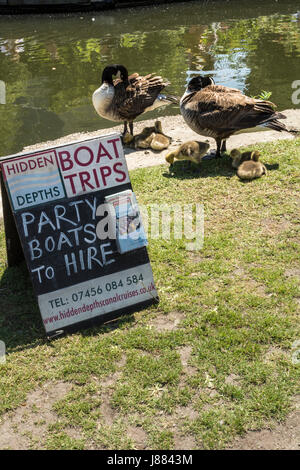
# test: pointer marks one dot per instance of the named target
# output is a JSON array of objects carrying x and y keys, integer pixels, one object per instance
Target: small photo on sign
[{"x": 130, "y": 234}]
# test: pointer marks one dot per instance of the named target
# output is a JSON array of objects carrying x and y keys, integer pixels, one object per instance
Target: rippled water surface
[{"x": 51, "y": 64}]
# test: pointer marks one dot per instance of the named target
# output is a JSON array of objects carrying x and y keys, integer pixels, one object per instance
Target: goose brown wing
[
  {"x": 138, "y": 95},
  {"x": 229, "y": 110},
  {"x": 223, "y": 89}
]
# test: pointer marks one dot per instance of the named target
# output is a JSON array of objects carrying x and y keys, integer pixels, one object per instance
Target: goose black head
[
  {"x": 111, "y": 70},
  {"x": 199, "y": 82}
]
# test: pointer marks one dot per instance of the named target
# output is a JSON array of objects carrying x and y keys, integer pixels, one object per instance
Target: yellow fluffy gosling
[
  {"x": 160, "y": 141},
  {"x": 192, "y": 151},
  {"x": 144, "y": 139},
  {"x": 239, "y": 157},
  {"x": 251, "y": 169}
]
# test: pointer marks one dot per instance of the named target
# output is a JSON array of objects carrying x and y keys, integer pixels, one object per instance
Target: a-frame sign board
[{"x": 72, "y": 213}]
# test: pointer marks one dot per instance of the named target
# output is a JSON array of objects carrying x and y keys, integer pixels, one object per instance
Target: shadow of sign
[{"x": 2, "y": 92}]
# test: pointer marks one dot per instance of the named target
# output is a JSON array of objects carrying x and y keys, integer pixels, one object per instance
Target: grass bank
[{"x": 212, "y": 361}]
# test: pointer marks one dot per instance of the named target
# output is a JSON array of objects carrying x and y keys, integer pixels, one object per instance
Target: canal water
[{"x": 51, "y": 64}]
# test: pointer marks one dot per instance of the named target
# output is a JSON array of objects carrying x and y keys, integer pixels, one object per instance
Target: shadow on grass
[
  {"x": 21, "y": 325},
  {"x": 20, "y": 321},
  {"x": 274, "y": 166},
  {"x": 105, "y": 328},
  {"x": 209, "y": 167}
]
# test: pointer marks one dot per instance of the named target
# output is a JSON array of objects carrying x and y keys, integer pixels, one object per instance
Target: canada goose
[
  {"x": 126, "y": 97},
  {"x": 218, "y": 111},
  {"x": 192, "y": 151},
  {"x": 239, "y": 157},
  {"x": 251, "y": 169}
]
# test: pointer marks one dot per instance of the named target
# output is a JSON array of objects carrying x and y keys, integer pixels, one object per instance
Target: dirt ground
[
  {"x": 26, "y": 427},
  {"x": 285, "y": 436}
]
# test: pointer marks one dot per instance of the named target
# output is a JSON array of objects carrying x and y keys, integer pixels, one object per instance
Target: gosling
[
  {"x": 144, "y": 139},
  {"x": 160, "y": 141},
  {"x": 251, "y": 169},
  {"x": 152, "y": 137},
  {"x": 192, "y": 151},
  {"x": 239, "y": 157}
]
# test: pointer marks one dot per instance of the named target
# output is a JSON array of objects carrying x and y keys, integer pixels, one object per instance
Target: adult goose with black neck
[
  {"x": 126, "y": 97},
  {"x": 217, "y": 111}
]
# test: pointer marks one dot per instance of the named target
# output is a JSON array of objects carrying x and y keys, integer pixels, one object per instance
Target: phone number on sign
[
  {"x": 129, "y": 281},
  {"x": 109, "y": 286}
]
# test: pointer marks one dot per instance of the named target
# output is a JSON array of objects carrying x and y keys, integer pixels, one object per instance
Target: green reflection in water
[{"x": 52, "y": 64}]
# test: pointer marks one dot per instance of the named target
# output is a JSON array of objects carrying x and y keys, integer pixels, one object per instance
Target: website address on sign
[{"x": 71, "y": 312}]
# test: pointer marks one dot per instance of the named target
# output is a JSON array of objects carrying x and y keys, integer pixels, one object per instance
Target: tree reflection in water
[{"x": 51, "y": 64}]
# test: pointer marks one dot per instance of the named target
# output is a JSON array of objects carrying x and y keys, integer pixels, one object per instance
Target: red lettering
[
  {"x": 22, "y": 167},
  {"x": 32, "y": 164},
  {"x": 105, "y": 172},
  {"x": 49, "y": 160},
  {"x": 102, "y": 152},
  {"x": 120, "y": 172},
  {"x": 65, "y": 161},
  {"x": 70, "y": 178},
  {"x": 76, "y": 156},
  {"x": 10, "y": 169},
  {"x": 113, "y": 141},
  {"x": 96, "y": 177},
  {"x": 84, "y": 180},
  {"x": 40, "y": 162}
]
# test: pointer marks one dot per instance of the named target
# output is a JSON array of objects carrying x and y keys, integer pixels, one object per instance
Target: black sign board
[{"x": 79, "y": 226}]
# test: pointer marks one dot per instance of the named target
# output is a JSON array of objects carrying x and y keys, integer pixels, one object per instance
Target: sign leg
[{"x": 14, "y": 249}]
